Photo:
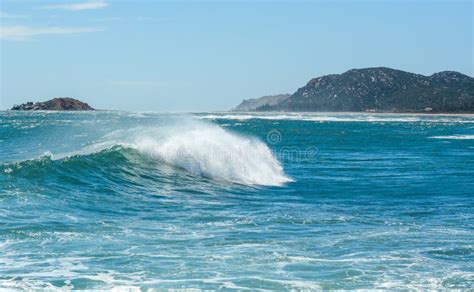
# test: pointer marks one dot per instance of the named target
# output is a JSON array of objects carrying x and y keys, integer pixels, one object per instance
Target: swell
[
  {"x": 119, "y": 170},
  {"x": 205, "y": 151},
  {"x": 106, "y": 161}
]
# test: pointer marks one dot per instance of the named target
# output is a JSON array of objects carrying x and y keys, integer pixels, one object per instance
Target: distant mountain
[
  {"x": 382, "y": 90},
  {"x": 254, "y": 103},
  {"x": 55, "y": 104}
]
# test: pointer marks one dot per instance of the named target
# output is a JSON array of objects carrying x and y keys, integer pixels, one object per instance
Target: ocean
[{"x": 244, "y": 201}]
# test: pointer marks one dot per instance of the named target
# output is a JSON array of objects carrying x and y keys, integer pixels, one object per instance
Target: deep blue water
[{"x": 236, "y": 201}]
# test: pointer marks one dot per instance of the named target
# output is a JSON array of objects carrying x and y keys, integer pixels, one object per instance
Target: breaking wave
[
  {"x": 201, "y": 149},
  {"x": 213, "y": 152}
]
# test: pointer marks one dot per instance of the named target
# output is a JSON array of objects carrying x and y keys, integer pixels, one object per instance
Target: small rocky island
[
  {"x": 377, "y": 89},
  {"x": 55, "y": 104}
]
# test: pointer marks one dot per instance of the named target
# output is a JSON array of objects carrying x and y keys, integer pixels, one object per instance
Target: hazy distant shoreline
[
  {"x": 355, "y": 113},
  {"x": 248, "y": 112}
]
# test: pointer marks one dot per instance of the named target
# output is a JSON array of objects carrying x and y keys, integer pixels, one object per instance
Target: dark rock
[{"x": 55, "y": 104}]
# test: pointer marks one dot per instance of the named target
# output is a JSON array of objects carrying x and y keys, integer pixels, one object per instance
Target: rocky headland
[{"x": 377, "y": 89}]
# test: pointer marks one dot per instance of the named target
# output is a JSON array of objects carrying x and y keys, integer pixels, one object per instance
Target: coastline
[
  {"x": 353, "y": 113},
  {"x": 269, "y": 113}
]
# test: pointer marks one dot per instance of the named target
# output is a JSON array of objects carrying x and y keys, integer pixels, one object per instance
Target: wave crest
[
  {"x": 213, "y": 152},
  {"x": 201, "y": 149}
]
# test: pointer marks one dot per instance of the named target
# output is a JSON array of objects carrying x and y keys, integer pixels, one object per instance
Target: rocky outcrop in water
[{"x": 55, "y": 104}]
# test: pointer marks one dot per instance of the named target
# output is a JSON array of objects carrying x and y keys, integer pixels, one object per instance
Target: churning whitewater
[
  {"x": 210, "y": 151},
  {"x": 104, "y": 200},
  {"x": 200, "y": 148}
]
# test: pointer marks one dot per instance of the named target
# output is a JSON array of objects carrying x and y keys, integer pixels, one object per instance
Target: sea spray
[
  {"x": 210, "y": 151},
  {"x": 198, "y": 147}
]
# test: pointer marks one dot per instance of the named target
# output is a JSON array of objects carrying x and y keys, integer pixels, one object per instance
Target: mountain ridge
[{"x": 381, "y": 89}]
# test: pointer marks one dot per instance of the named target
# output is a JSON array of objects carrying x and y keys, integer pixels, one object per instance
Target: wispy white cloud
[
  {"x": 6, "y": 15},
  {"x": 21, "y": 33},
  {"x": 78, "y": 6}
]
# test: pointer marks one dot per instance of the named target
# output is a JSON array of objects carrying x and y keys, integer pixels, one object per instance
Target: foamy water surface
[{"x": 236, "y": 201}]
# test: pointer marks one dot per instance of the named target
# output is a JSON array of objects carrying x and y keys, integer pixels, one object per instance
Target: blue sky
[{"x": 202, "y": 56}]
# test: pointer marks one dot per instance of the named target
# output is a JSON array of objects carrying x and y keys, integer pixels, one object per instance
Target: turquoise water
[{"x": 236, "y": 201}]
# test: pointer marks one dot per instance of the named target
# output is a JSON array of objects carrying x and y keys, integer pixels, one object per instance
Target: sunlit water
[{"x": 236, "y": 201}]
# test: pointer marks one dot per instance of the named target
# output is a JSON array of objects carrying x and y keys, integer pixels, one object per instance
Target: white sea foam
[
  {"x": 454, "y": 137},
  {"x": 351, "y": 117},
  {"x": 210, "y": 151}
]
